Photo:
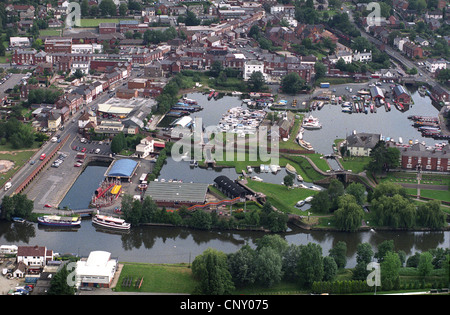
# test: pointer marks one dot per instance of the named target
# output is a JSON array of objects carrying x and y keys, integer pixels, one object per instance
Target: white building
[
  {"x": 87, "y": 48},
  {"x": 83, "y": 66},
  {"x": 346, "y": 56},
  {"x": 399, "y": 42},
  {"x": 97, "y": 270},
  {"x": 433, "y": 65},
  {"x": 253, "y": 66},
  {"x": 145, "y": 147},
  {"x": 365, "y": 56},
  {"x": 34, "y": 256},
  {"x": 19, "y": 42}
]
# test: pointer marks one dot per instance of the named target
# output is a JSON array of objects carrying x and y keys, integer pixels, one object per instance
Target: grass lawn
[
  {"x": 281, "y": 197},
  {"x": 19, "y": 158},
  {"x": 50, "y": 32},
  {"x": 355, "y": 163},
  {"x": 96, "y": 22},
  {"x": 291, "y": 143},
  {"x": 176, "y": 278},
  {"x": 443, "y": 195}
]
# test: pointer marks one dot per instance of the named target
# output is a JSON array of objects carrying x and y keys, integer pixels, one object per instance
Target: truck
[{"x": 324, "y": 85}]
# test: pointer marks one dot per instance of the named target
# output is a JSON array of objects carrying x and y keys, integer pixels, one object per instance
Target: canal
[{"x": 172, "y": 245}]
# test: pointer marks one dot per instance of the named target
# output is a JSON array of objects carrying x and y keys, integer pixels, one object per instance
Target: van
[
  {"x": 54, "y": 139},
  {"x": 97, "y": 151},
  {"x": 8, "y": 185}
]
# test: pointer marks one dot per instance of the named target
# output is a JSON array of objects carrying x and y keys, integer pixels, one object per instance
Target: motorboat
[
  {"x": 110, "y": 222},
  {"x": 309, "y": 199},
  {"x": 56, "y": 220},
  {"x": 299, "y": 178},
  {"x": 257, "y": 179},
  {"x": 290, "y": 169},
  {"x": 311, "y": 123}
]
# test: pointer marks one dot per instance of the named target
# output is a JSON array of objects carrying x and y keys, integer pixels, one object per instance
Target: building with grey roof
[
  {"x": 177, "y": 194},
  {"x": 360, "y": 144}
]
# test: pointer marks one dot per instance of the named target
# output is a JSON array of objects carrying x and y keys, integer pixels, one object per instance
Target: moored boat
[
  {"x": 290, "y": 169},
  {"x": 110, "y": 222},
  {"x": 56, "y": 220}
]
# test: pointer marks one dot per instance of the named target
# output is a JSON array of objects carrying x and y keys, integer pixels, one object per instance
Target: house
[
  {"x": 34, "y": 256},
  {"x": 346, "y": 56},
  {"x": 252, "y": 66},
  {"x": 145, "y": 147},
  {"x": 412, "y": 50},
  {"x": 285, "y": 124},
  {"x": 440, "y": 94},
  {"x": 361, "y": 144},
  {"x": 400, "y": 95},
  {"x": 229, "y": 187},
  {"x": 434, "y": 65},
  {"x": 362, "y": 56},
  {"x": 97, "y": 270},
  {"x": 417, "y": 157}
]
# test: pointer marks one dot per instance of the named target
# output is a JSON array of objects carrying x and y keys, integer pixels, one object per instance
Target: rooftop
[{"x": 177, "y": 192}]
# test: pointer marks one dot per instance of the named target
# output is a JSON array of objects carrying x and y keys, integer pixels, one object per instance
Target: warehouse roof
[
  {"x": 177, "y": 192},
  {"x": 231, "y": 187},
  {"x": 122, "y": 168}
]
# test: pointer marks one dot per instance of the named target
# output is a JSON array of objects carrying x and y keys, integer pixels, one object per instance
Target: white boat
[
  {"x": 110, "y": 222},
  {"x": 299, "y": 178},
  {"x": 400, "y": 140},
  {"x": 249, "y": 169},
  {"x": 290, "y": 169},
  {"x": 274, "y": 168},
  {"x": 311, "y": 123},
  {"x": 257, "y": 179},
  {"x": 315, "y": 188}
]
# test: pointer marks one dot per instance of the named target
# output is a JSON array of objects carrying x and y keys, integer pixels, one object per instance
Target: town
[{"x": 142, "y": 114}]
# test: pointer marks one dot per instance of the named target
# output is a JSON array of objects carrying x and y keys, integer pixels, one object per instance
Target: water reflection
[{"x": 177, "y": 244}]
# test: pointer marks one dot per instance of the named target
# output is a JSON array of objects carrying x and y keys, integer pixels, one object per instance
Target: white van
[
  {"x": 8, "y": 185},
  {"x": 54, "y": 139},
  {"x": 97, "y": 151}
]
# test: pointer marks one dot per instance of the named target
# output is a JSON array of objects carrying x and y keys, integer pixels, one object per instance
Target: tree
[
  {"x": 118, "y": 143},
  {"x": 321, "y": 202},
  {"x": 349, "y": 214},
  {"x": 292, "y": 83},
  {"x": 358, "y": 191},
  {"x": 59, "y": 285},
  {"x": 123, "y": 9},
  {"x": 430, "y": 215},
  {"x": 425, "y": 264},
  {"x": 330, "y": 268},
  {"x": 339, "y": 254},
  {"x": 335, "y": 190},
  {"x": 191, "y": 19},
  {"x": 383, "y": 249},
  {"x": 288, "y": 180},
  {"x": 108, "y": 7},
  {"x": 390, "y": 268},
  {"x": 242, "y": 266},
  {"x": 320, "y": 69},
  {"x": 268, "y": 266},
  {"x": 364, "y": 254},
  {"x": 256, "y": 81},
  {"x": 216, "y": 68},
  {"x": 84, "y": 8},
  {"x": 383, "y": 158},
  {"x": 310, "y": 265},
  {"x": 211, "y": 269},
  {"x": 201, "y": 220},
  {"x": 290, "y": 260}
]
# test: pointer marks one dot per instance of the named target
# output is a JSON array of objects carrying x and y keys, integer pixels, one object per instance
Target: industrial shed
[
  {"x": 177, "y": 194},
  {"x": 229, "y": 187},
  {"x": 124, "y": 168}
]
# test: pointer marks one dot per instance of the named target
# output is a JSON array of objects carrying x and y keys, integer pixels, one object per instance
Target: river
[{"x": 172, "y": 245}]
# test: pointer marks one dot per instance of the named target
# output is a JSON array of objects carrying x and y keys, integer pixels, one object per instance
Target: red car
[
  {"x": 42, "y": 156},
  {"x": 83, "y": 150},
  {"x": 48, "y": 206}
]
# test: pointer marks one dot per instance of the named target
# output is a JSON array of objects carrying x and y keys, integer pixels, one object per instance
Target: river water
[{"x": 172, "y": 245}]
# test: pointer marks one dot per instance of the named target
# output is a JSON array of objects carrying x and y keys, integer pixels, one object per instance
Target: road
[{"x": 392, "y": 52}]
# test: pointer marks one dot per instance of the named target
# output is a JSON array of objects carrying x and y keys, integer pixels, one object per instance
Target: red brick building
[{"x": 417, "y": 157}]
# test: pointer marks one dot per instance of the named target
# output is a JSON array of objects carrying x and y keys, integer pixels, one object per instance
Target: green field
[
  {"x": 157, "y": 278},
  {"x": 19, "y": 158},
  {"x": 96, "y": 22},
  {"x": 282, "y": 197}
]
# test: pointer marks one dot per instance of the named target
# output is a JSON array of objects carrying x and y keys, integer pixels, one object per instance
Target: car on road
[{"x": 43, "y": 155}]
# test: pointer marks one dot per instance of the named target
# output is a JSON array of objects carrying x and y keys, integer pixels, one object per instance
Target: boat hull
[
  {"x": 104, "y": 224},
  {"x": 42, "y": 221}
]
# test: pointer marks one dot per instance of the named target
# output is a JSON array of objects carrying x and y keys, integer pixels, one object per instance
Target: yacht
[
  {"x": 311, "y": 123},
  {"x": 110, "y": 222}
]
